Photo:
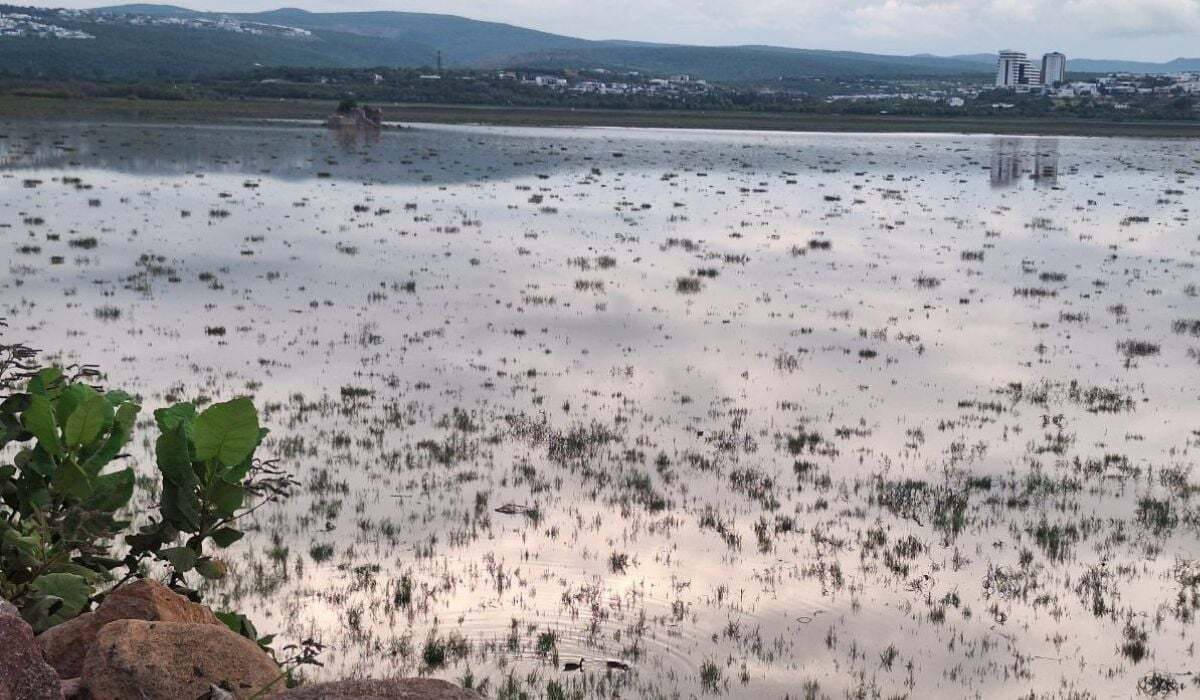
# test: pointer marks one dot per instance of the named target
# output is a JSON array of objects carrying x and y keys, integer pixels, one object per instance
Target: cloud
[
  {"x": 1143, "y": 18},
  {"x": 900, "y": 18}
]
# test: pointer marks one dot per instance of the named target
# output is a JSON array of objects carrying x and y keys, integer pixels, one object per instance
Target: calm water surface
[{"x": 785, "y": 415}]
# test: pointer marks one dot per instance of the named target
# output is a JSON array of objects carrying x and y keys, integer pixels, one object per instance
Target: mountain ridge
[{"x": 168, "y": 45}]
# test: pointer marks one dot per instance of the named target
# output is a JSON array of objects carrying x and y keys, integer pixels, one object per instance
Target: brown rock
[
  {"x": 72, "y": 688},
  {"x": 150, "y": 600},
  {"x": 175, "y": 661},
  {"x": 24, "y": 675},
  {"x": 7, "y": 608},
  {"x": 65, "y": 646},
  {"x": 399, "y": 689}
]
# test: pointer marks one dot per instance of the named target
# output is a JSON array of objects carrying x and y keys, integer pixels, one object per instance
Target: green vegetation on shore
[
  {"x": 69, "y": 525},
  {"x": 108, "y": 109}
]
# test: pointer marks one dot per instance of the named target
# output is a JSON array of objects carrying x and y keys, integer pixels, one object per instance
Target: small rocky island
[{"x": 351, "y": 115}]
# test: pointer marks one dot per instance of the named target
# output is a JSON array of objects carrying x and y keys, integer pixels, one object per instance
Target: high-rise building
[
  {"x": 1054, "y": 68},
  {"x": 1013, "y": 70}
]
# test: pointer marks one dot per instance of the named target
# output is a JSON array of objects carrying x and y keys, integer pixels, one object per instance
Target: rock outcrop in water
[
  {"x": 351, "y": 115},
  {"x": 146, "y": 641}
]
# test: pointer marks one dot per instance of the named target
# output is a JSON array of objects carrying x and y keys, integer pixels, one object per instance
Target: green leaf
[
  {"x": 73, "y": 591},
  {"x": 10, "y": 425},
  {"x": 122, "y": 428},
  {"x": 183, "y": 559},
  {"x": 35, "y": 498},
  {"x": 17, "y": 403},
  {"x": 112, "y": 491},
  {"x": 210, "y": 568},
  {"x": 72, "y": 480},
  {"x": 47, "y": 383},
  {"x": 169, "y": 418},
  {"x": 180, "y": 505},
  {"x": 226, "y": 497},
  {"x": 175, "y": 459},
  {"x": 126, "y": 416},
  {"x": 71, "y": 398},
  {"x": 87, "y": 422},
  {"x": 116, "y": 397},
  {"x": 27, "y": 544},
  {"x": 226, "y": 536},
  {"x": 89, "y": 575},
  {"x": 227, "y": 432},
  {"x": 238, "y": 623},
  {"x": 180, "y": 508},
  {"x": 35, "y": 461},
  {"x": 39, "y": 420},
  {"x": 151, "y": 538}
]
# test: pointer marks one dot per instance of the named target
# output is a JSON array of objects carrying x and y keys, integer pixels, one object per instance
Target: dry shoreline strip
[{"x": 14, "y": 107}]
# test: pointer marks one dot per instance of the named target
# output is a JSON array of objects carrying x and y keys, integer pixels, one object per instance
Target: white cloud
[
  {"x": 1144, "y": 18},
  {"x": 901, "y": 18}
]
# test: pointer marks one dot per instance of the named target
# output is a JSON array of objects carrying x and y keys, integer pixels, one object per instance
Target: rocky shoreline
[{"x": 147, "y": 642}]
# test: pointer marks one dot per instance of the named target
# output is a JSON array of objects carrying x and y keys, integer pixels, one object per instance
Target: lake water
[{"x": 781, "y": 415}]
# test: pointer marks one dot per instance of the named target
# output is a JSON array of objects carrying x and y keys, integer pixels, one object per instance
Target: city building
[
  {"x": 1054, "y": 68},
  {"x": 1014, "y": 70}
]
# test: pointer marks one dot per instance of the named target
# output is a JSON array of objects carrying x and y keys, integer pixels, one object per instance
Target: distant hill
[
  {"x": 123, "y": 51},
  {"x": 153, "y": 10},
  {"x": 988, "y": 58},
  {"x": 736, "y": 63},
  {"x": 463, "y": 42},
  {"x": 168, "y": 41},
  {"x": 1087, "y": 65},
  {"x": 134, "y": 41}
]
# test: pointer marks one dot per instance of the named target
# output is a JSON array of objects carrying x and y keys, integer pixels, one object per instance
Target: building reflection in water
[{"x": 1014, "y": 159}]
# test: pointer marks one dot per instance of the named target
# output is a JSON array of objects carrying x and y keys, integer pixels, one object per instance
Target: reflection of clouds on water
[
  {"x": 1013, "y": 160},
  {"x": 869, "y": 307}
]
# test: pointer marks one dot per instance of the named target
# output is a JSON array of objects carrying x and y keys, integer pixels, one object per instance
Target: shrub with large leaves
[
  {"x": 58, "y": 498},
  {"x": 62, "y": 495},
  {"x": 206, "y": 461}
]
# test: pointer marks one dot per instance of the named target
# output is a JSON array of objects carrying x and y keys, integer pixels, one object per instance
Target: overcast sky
[{"x": 1130, "y": 29}]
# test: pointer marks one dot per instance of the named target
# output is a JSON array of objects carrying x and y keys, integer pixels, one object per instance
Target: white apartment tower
[{"x": 1054, "y": 68}]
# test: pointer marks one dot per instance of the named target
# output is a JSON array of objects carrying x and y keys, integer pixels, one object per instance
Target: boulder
[
  {"x": 24, "y": 674},
  {"x": 72, "y": 688},
  {"x": 65, "y": 646},
  {"x": 150, "y": 600},
  {"x": 399, "y": 689},
  {"x": 7, "y": 608},
  {"x": 175, "y": 661}
]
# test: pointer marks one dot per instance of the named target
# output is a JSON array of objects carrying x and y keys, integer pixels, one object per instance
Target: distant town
[
  {"x": 1015, "y": 71},
  {"x": 1018, "y": 74}
]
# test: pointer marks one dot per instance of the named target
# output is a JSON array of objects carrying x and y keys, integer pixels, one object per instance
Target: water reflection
[
  {"x": 1012, "y": 160},
  {"x": 777, "y": 399}
]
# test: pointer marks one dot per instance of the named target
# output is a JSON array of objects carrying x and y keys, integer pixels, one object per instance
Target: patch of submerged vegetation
[{"x": 530, "y": 460}]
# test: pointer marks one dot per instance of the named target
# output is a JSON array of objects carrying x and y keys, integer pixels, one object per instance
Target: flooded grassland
[{"x": 754, "y": 415}]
